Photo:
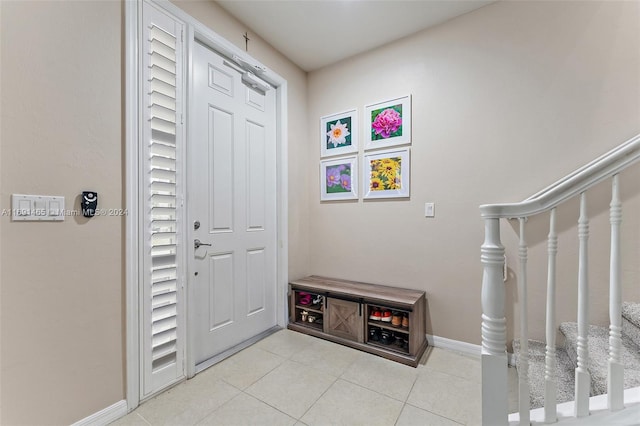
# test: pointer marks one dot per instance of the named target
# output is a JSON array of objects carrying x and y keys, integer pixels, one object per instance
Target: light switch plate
[
  {"x": 38, "y": 208},
  {"x": 429, "y": 209}
]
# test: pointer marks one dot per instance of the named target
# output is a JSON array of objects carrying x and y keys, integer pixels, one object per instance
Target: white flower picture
[{"x": 339, "y": 133}]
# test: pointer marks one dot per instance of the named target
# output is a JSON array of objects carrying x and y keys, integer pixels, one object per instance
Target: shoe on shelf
[
  {"x": 386, "y": 337},
  {"x": 375, "y": 314},
  {"x": 386, "y": 316},
  {"x": 304, "y": 298},
  {"x": 374, "y": 334},
  {"x": 317, "y": 300},
  {"x": 405, "y": 321},
  {"x": 396, "y": 319}
]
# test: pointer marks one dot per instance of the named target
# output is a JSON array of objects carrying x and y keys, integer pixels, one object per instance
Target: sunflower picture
[{"x": 386, "y": 174}]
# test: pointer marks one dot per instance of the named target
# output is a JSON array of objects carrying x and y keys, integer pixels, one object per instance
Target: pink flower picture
[
  {"x": 386, "y": 122},
  {"x": 389, "y": 123}
]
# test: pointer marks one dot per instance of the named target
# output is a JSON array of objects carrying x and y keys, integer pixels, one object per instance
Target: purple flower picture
[
  {"x": 345, "y": 182},
  {"x": 333, "y": 176},
  {"x": 339, "y": 179}
]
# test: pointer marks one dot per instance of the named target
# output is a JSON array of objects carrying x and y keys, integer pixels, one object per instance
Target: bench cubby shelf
[{"x": 342, "y": 311}]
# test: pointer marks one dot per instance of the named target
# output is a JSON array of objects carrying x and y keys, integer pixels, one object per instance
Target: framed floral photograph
[
  {"x": 339, "y": 133},
  {"x": 386, "y": 174},
  {"x": 339, "y": 179},
  {"x": 388, "y": 123}
]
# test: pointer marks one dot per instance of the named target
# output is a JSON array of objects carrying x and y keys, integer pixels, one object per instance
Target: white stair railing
[
  {"x": 583, "y": 379},
  {"x": 523, "y": 373},
  {"x": 550, "y": 384},
  {"x": 615, "y": 377},
  {"x": 494, "y": 332}
]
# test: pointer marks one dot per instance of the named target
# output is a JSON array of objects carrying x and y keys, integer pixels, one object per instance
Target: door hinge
[
  {"x": 181, "y": 118},
  {"x": 182, "y": 35}
]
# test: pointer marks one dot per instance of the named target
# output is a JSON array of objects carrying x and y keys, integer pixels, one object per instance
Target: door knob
[{"x": 197, "y": 243}]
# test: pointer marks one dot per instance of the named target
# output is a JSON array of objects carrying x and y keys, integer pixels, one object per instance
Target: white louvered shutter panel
[{"x": 162, "y": 147}]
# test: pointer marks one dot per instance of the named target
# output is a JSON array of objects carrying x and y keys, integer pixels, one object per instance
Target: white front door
[{"x": 231, "y": 202}]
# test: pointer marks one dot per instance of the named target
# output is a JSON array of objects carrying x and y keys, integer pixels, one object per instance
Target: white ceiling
[{"x": 315, "y": 33}]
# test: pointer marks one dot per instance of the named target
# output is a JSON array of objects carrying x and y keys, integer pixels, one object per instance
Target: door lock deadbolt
[{"x": 196, "y": 225}]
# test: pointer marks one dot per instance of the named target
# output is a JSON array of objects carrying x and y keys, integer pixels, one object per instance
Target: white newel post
[
  {"x": 583, "y": 378},
  {"x": 615, "y": 378},
  {"x": 494, "y": 329}
]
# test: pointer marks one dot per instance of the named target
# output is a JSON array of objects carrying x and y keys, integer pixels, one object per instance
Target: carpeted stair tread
[
  {"x": 598, "y": 346},
  {"x": 631, "y": 321},
  {"x": 631, "y": 331},
  {"x": 564, "y": 373},
  {"x": 631, "y": 311}
]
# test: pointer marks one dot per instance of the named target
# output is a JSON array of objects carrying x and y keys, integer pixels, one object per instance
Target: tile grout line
[
  {"x": 216, "y": 409},
  {"x": 404, "y": 403},
  {"x": 142, "y": 417},
  {"x": 269, "y": 405},
  {"x": 318, "y": 399},
  {"x": 435, "y": 414},
  {"x": 302, "y": 365},
  {"x": 262, "y": 376},
  {"x": 374, "y": 390}
]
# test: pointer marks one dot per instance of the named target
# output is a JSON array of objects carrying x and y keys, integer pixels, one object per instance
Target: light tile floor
[{"x": 293, "y": 379}]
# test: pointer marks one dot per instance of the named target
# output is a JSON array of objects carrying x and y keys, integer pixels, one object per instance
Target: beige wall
[
  {"x": 62, "y": 283},
  {"x": 506, "y": 100},
  {"x": 62, "y": 296}
]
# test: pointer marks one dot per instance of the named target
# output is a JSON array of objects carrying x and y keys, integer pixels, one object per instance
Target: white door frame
[{"x": 194, "y": 30}]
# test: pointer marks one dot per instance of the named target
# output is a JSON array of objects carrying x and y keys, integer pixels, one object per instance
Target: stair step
[
  {"x": 564, "y": 373},
  {"x": 631, "y": 331},
  {"x": 599, "y": 355},
  {"x": 631, "y": 311},
  {"x": 631, "y": 321}
]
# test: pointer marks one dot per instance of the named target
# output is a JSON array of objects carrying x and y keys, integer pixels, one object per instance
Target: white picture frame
[
  {"x": 387, "y": 123},
  {"x": 339, "y": 133},
  {"x": 339, "y": 179},
  {"x": 387, "y": 174}
]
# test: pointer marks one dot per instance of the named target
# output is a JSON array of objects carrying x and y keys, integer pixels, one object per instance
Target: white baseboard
[
  {"x": 458, "y": 346},
  {"x": 106, "y": 416},
  {"x": 454, "y": 345}
]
